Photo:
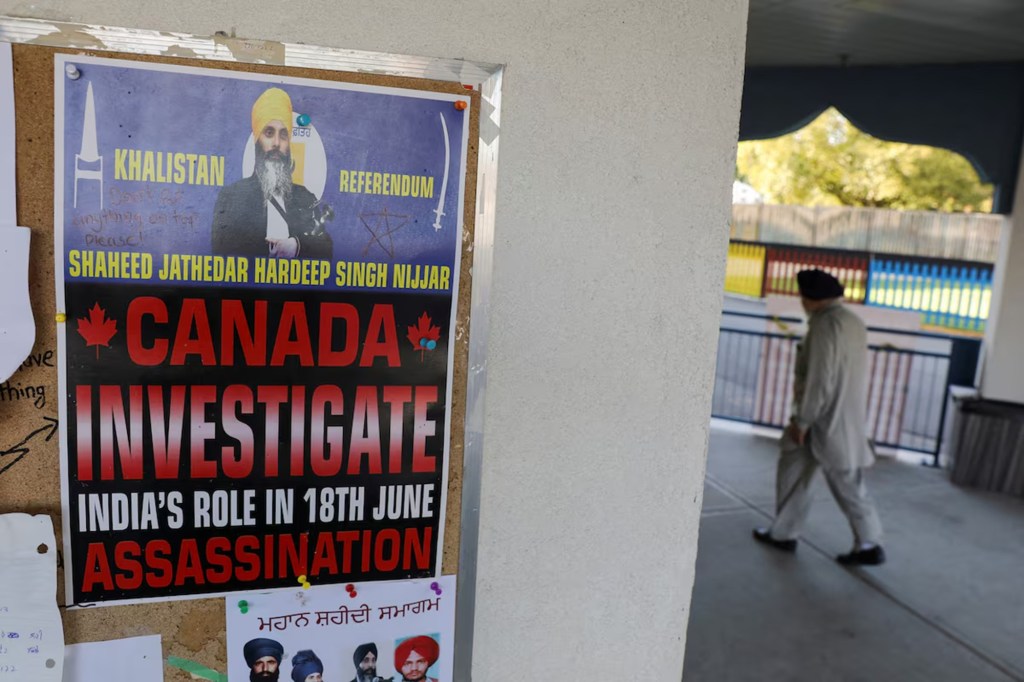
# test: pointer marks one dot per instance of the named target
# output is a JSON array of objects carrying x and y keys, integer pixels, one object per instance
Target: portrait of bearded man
[
  {"x": 263, "y": 656},
  {"x": 365, "y": 660},
  {"x": 267, "y": 214},
  {"x": 415, "y": 656}
]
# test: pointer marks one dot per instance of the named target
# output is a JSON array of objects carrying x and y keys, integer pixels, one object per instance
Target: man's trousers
[{"x": 796, "y": 470}]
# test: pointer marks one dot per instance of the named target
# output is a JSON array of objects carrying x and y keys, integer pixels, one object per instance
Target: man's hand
[
  {"x": 283, "y": 248},
  {"x": 796, "y": 434}
]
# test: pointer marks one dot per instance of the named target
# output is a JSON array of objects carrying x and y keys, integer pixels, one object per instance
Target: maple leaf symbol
[
  {"x": 96, "y": 329},
  {"x": 424, "y": 335}
]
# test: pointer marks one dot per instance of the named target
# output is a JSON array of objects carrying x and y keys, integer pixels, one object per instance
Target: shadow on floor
[{"x": 948, "y": 604}]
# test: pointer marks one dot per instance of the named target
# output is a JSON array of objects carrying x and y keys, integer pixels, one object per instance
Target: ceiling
[{"x": 884, "y": 32}]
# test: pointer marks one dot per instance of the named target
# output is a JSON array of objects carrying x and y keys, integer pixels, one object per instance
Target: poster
[
  {"x": 400, "y": 631},
  {"x": 259, "y": 276}
]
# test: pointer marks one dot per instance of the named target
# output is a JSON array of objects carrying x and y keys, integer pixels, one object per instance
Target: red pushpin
[{"x": 461, "y": 104}]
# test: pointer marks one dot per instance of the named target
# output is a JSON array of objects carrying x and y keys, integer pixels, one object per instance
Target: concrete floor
[{"x": 948, "y": 604}]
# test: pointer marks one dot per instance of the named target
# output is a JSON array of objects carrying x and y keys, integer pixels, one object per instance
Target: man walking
[{"x": 827, "y": 428}]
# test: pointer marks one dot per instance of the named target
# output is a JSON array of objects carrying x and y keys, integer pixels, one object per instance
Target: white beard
[{"x": 275, "y": 177}]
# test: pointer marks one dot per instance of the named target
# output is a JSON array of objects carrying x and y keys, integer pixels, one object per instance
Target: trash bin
[
  {"x": 988, "y": 445},
  {"x": 954, "y": 397}
]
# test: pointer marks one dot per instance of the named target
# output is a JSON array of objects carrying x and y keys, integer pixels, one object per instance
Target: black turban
[
  {"x": 255, "y": 649},
  {"x": 818, "y": 285},
  {"x": 304, "y": 664},
  {"x": 361, "y": 652}
]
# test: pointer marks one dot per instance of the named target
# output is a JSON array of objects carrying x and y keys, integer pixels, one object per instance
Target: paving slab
[{"x": 948, "y": 605}]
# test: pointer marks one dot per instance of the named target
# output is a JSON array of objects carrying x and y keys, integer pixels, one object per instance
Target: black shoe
[
  {"x": 874, "y": 556},
  {"x": 764, "y": 535}
]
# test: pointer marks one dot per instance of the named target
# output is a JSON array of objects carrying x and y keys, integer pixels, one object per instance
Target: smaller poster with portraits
[{"x": 397, "y": 631}]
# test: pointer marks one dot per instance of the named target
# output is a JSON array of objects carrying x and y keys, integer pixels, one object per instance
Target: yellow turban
[{"x": 273, "y": 105}]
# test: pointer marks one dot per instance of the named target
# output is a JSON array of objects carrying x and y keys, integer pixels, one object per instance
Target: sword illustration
[{"x": 439, "y": 211}]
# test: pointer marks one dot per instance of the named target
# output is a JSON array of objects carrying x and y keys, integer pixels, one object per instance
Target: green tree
[{"x": 829, "y": 162}]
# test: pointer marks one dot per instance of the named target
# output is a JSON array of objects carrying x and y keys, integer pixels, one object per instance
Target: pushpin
[
  {"x": 351, "y": 589},
  {"x": 436, "y": 588},
  {"x": 461, "y": 104},
  {"x": 61, "y": 318},
  {"x": 243, "y": 606},
  {"x": 72, "y": 71},
  {"x": 303, "y": 120},
  {"x": 431, "y": 345},
  {"x": 305, "y": 583}
]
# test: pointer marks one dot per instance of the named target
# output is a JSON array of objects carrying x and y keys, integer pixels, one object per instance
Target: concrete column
[
  {"x": 1003, "y": 371},
  {"x": 619, "y": 127}
]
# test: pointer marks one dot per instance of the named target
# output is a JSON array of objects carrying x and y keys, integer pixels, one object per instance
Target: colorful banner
[
  {"x": 259, "y": 276},
  {"x": 401, "y": 631}
]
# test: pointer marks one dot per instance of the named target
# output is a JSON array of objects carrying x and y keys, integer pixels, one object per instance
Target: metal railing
[{"x": 908, "y": 379}]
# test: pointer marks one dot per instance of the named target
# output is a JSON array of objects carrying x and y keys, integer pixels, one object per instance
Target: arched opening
[
  {"x": 906, "y": 229},
  {"x": 830, "y": 162}
]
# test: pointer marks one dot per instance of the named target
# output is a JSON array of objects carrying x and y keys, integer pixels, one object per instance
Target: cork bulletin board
[{"x": 30, "y": 469}]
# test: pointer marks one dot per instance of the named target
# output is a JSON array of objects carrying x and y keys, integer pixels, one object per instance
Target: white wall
[
  {"x": 618, "y": 137},
  {"x": 1003, "y": 371}
]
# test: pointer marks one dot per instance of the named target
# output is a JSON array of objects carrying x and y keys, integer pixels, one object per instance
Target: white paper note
[
  {"x": 17, "y": 325},
  {"x": 31, "y": 636},
  {"x": 8, "y": 212},
  {"x": 133, "y": 659}
]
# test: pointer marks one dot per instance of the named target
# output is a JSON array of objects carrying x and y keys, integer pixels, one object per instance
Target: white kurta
[
  {"x": 830, "y": 388},
  {"x": 830, "y": 380}
]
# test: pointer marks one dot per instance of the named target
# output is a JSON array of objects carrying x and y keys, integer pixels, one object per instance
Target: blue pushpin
[
  {"x": 303, "y": 120},
  {"x": 431, "y": 345},
  {"x": 423, "y": 343}
]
